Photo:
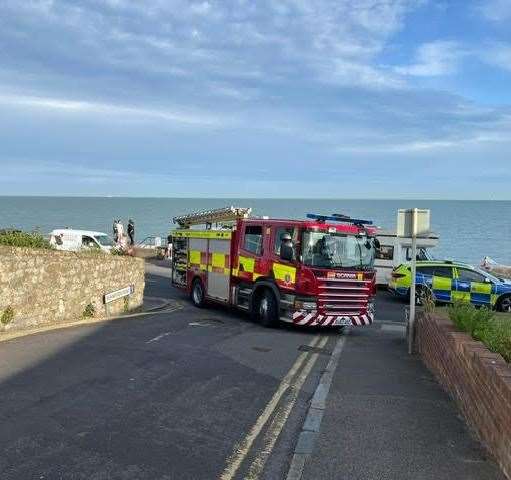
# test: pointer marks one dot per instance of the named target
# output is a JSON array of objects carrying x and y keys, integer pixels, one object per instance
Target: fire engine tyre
[
  {"x": 266, "y": 309},
  {"x": 197, "y": 293},
  {"x": 504, "y": 303}
]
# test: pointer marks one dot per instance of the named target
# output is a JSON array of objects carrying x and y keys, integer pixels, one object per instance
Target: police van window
[
  {"x": 277, "y": 240},
  {"x": 445, "y": 272},
  {"x": 253, "y": 241},
  {"x": 426, "y": 270},
  {"x": 385, "y": 252},
  {"x": 470, "y": 276}
]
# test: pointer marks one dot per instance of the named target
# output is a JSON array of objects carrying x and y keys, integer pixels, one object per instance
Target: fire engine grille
[{"x": 343, "y": 297}]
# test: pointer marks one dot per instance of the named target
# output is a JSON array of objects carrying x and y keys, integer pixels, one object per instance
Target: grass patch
[
  {"x": 487, "y": 326},
  {"x": 17, "y": 238}
]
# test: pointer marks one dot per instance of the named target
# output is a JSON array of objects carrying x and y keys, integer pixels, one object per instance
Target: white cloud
[
  {"x": 176, "y": 116},
  {"x": 228, "y": 37},
  {"x": 434, "y": 59}
]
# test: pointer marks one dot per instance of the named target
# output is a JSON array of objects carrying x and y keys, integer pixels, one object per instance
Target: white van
[
  {"x": 396, "y": 250},
  {"x": 74, "y": 240}
]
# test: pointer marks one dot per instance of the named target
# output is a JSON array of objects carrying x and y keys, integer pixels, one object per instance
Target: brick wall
[
  {"x": 479, "y": 381},
  {"x": 49, "y": 287}
]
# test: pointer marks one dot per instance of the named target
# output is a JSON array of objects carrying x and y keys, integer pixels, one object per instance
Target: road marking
[
  {"x": 155, "y": 339},
  {"x": 311, "y": 426},
  {"x": 280, "y": 419},
  {"x": 242, "y": 449}
]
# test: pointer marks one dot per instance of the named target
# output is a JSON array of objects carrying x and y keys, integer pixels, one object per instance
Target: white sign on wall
[{"x": 123, "y": 292}]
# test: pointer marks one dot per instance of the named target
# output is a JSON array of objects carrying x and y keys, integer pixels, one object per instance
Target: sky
[{"x": 239, "y": 98}]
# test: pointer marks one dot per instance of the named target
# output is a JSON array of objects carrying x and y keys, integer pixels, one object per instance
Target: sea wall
[
  {"x": 46, "y": 287},
  {"x": 479, "y": 381}
]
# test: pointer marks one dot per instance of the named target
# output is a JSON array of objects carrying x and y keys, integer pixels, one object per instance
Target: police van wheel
[
  {"x": 504, "y": 304},
  {"x": 266, "y": 309},
  {"x": 197, "y": 293}
]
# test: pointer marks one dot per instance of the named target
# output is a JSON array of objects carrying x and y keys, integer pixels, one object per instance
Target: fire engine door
[{"x": 219, "y": 271}]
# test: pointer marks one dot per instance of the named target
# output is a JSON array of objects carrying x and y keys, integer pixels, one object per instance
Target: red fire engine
[{"x": 316, "y": 272}]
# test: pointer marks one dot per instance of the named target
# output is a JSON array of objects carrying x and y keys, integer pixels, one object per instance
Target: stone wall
[
  {"x": 479, "y": 381},
  {"x": 44, "y": 287}
]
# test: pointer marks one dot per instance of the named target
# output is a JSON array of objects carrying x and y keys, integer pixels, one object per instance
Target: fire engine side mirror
[{"x": 287, "y": 252}]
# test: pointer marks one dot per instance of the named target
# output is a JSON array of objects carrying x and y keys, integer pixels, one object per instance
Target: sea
[{"x": 468, "y": 230}]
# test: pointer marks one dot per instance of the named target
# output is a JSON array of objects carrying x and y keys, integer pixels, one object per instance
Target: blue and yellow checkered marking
[{"x": 450, "y": 290}]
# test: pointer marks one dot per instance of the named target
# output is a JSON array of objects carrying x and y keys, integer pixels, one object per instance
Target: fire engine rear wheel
[
  {"x": 266, "y": 309},
  {"x": 197, "y": 293}
]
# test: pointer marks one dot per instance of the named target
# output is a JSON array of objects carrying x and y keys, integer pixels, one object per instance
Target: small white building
[{"x": 75, "y": 240}]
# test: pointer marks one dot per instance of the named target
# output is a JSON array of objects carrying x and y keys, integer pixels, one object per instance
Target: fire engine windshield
[{"x": 334, "y": 250}]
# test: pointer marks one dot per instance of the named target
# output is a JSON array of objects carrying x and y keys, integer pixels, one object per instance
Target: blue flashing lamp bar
[{"x": 337, "y": 217}]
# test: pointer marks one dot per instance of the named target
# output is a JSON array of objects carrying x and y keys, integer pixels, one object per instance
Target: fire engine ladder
[{"x": 208, "y": 217}]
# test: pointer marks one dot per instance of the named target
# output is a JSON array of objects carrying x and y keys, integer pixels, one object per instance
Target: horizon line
[{"x": 263, "y": 198}]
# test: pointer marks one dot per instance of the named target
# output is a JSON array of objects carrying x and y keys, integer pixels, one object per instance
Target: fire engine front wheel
[
  {"x": 266, "y": 310},
  {"x": 197, "y": 293}
]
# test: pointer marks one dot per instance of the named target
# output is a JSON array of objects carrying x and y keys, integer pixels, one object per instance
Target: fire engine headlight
[{"x": 303, "y": 305}]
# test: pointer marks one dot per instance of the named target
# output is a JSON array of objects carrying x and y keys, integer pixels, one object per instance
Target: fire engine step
[{"x": 243, "y": 298}]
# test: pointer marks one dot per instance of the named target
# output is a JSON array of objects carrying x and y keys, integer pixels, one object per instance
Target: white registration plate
[{"x": 343, "y": 322}]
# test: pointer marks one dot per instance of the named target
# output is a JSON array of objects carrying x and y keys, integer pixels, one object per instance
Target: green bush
[
  {"x": 89, "y": 311},
  {"x": 482, "y": 325},
  {"x": 7, "y": 316},
  {"x": 17, "y": 238}
]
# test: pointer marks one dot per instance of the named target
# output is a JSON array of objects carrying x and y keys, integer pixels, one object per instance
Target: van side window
[
  {"x": 88, "y": 242},
  {"x": 428, "y": 271},
  {"x": 253, "y": 240},
  {"x": 385, "y": 252},
  {"x": 470, "y": 276},
  {"x": 436, "y": 271},
  {"x": 422, "y": 254},
  {"x": 445, "y": 272}
]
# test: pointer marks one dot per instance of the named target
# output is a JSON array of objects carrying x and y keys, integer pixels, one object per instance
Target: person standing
[
  {"x": 131, "y": 231},
  {"x": 114, "y": 229},
  {"x": 120, "y": 233},
  {"x": 169, "y": 247}
]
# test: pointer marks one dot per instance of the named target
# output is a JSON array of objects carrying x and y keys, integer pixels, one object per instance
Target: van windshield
[
  {"x": 104, "y": 240},
  {"x": 335, "y": 250}
]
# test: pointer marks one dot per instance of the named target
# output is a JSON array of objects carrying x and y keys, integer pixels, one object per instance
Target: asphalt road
[
  {"x": 178, "y": 394},
  {"x": 173, "y": 395}
]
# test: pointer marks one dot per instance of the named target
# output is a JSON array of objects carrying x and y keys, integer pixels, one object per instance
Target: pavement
[
  {"x": 185, "y": 393},
  {"x": 387, "y": 418}
]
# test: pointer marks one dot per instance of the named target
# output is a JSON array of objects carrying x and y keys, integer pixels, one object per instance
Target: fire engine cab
[{"x": 315, "y": 272}]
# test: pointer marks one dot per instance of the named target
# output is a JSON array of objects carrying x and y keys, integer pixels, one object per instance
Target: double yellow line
[{"x": 292, "y": 382}]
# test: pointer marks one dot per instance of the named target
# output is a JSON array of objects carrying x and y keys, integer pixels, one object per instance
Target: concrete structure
[
  {"x": 479, "y": 381},
  {"x": 42, "y": 287}
]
